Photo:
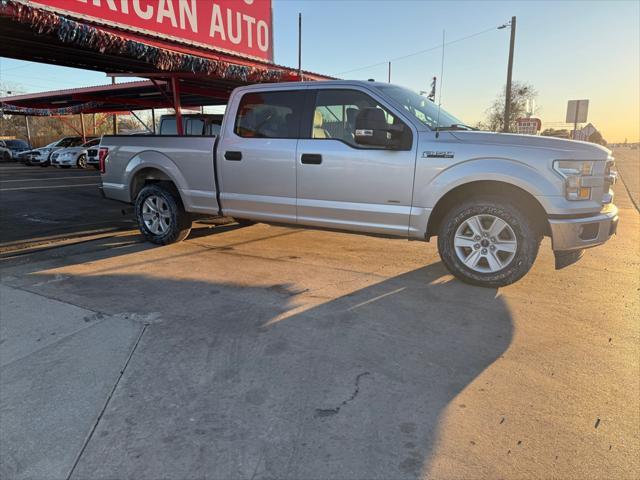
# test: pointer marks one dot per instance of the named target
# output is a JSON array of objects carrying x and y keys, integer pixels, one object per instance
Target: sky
[{"x": 566, "y": 50}]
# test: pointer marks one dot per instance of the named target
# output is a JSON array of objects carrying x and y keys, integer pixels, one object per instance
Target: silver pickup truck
[{"x": 378, "y": 159}]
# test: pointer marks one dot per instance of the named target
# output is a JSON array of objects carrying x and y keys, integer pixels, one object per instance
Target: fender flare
[
  {"x": 159, "y": 161},
  {"x": 503, "y": 170}
]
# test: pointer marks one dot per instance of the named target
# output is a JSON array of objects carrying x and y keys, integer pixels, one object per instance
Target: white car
[
  {"x": 73, "y": 156},
  {"x": 42, "y": 156}
]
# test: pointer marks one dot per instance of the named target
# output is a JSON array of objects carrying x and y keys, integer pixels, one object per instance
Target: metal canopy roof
[
  {"x": 110, "y": 98},
  {"x": 200, "y": 76}
]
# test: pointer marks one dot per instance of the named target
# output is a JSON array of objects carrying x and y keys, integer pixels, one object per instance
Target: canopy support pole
[
  {"x": 84, "y": 133},
  {"x": 26, "y": 124},
  {"x": 175, "y": 89}
]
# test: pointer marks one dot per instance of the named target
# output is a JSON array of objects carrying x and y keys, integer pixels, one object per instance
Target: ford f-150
[{"x": 378, "y": 159}]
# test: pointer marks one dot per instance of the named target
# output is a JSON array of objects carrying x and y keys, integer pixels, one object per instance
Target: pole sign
[
  {"x": 577, "y": 111},
  {"x": 235, "y": 26}
]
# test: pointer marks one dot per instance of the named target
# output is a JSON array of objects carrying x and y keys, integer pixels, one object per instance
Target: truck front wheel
[
  {"x": 161, "y": 216},
  {"x": 487, "y": 242}
]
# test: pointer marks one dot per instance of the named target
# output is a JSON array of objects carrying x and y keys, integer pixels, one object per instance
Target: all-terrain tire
[
  {"x": 175, "y": 223},
  {"x": 527, "y": 236}
]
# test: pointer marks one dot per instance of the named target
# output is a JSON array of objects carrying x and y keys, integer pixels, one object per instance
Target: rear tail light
[{"x": 102, "y": 156}]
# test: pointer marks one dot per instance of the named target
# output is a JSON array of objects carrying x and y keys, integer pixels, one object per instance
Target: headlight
[{"x": 574, "y": 173}]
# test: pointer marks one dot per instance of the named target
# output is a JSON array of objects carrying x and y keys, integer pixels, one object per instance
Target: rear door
[
  {"x": 257, "y": 155},
  {"x": 345, "y": 185}
]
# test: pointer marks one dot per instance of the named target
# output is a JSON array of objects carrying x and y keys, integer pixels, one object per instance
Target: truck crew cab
[{"x": 378, "y": 159}]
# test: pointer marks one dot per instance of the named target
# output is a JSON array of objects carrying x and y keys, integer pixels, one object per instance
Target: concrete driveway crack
[
  {"x": 327, "y": 412},
  {"x": 106, "y": 403}
]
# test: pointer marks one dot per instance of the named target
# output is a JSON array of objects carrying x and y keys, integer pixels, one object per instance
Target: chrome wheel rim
[
  {"x": 82, "y": 162},
  {"x": 485, "y": 243},
  {"x": 156, "y": 215}
]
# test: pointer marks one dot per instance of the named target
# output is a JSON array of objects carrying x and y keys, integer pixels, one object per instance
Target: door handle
[
  {"x": 233, "y": 156},
  {"x": 311, "y": 158}
]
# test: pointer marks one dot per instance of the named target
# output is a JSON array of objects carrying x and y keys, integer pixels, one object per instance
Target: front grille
[{"x": 92, "y": 153}]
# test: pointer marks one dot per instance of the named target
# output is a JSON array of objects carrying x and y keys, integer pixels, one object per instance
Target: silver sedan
[{"x": 73, "y": 156}]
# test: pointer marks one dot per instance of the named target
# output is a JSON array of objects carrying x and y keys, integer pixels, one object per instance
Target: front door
[
  {"x": 257, "y": 156},
  {"x": 344, "y": 185}
]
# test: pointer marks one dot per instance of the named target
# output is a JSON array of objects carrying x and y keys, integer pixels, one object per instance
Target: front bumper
[
  {"x": 63, "y": 161},
  {"x": 584, "y": 232}
]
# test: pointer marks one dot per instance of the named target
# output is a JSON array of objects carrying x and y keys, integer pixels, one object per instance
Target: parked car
[
  {"x": 373, "y": 158},
  {"x": 42, "y": 156},
  {"x": 16, "y": 147},
  {"x": 193, "y": 124},
  {"x": 73, "y": 156},
  {"x": 5, "y": 152},
  {"x": 92, "y": 156}
]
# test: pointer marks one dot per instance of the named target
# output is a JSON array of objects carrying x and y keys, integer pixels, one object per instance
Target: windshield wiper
[{"x": 458, "y": 126}]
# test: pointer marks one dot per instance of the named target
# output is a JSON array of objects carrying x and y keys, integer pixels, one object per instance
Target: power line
[{"x": 437, "y": 47}]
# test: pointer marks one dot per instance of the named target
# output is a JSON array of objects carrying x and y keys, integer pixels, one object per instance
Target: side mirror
[{"x": 372, "y": 129}]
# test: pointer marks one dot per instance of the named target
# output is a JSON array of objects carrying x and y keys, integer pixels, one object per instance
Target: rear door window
[
  {"x": 269, "y": 114},
  {"x": 168, "y": 127},
  {"x": 195, "y": 126}
]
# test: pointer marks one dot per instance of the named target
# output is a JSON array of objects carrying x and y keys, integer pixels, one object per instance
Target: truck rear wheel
[
  {"x": 161, "y": 216},
  {"x": 487, "y": 242}
]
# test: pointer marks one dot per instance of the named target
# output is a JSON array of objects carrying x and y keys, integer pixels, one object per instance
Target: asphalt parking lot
[
  {"x": 43, "y": 205},
  {"x": 278, "y": 353}
]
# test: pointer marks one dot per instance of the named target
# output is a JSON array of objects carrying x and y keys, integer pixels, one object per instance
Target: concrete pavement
[{"x": 270, "y": 352}]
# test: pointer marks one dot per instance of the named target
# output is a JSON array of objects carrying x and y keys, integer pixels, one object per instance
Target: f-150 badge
[{"x": 437, "y": 154}]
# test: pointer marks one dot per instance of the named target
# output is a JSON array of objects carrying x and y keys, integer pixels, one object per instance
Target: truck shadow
[{"x": 238, "y": 380}]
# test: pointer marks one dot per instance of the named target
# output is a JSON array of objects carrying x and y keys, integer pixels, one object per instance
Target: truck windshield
[{"x": 422, "y": 108}]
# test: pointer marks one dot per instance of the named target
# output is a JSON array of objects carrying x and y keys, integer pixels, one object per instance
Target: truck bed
[{"x": 188, "y": 161}]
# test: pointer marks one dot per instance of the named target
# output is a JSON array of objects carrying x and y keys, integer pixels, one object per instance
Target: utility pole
[
  {"x": 300, "y": 47},
  {"x": 389, "y": 72},
  {"x": 507, "y": 101}
]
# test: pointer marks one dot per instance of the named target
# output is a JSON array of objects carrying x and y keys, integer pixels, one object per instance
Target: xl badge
[{"x": 437, "y": 154}]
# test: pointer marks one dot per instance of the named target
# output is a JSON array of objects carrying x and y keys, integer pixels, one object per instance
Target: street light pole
[
  {"x": 299, "y": 47},
  {"x": 507, "y": 101}
]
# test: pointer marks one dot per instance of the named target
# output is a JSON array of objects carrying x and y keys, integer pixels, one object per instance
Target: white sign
[{"x": 577, "y": 111}]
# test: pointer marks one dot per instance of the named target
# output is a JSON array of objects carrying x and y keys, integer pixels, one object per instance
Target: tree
[
  {"x": 596, "y": 137},
  {"x": 520, "y": 93},
  {"x": 552, "y": 132}
]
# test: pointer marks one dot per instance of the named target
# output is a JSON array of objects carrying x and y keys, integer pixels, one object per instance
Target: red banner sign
[{"x": 236, "y": 26}]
